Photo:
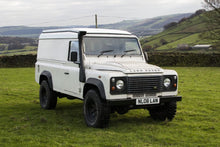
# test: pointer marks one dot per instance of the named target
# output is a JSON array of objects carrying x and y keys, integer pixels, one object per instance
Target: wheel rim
[{"x": 91, "y": 111}]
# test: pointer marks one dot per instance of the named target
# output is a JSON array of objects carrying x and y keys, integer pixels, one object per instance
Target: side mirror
[{"x": 73, "y": 56}]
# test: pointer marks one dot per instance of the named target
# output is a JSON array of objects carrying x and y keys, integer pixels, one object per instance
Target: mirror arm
[{"x": 146, "y": 56}]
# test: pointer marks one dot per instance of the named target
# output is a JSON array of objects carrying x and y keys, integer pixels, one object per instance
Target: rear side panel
[
  {"x": 52, "y": 56},
  {"x": 53, "y": 49}
]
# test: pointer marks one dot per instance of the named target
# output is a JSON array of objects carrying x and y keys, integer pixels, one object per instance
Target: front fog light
[
  {"x": 166, "y": 82},
  {"x": 119, "y": 84}
]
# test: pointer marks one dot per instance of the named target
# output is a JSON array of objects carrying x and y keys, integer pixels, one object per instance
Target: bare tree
[
  {"x": 212, "y": 5},
  {"x": 212, "y": 18}
]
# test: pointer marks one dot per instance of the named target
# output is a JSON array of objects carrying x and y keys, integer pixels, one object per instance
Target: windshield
[{"x": 111, "y": 46}]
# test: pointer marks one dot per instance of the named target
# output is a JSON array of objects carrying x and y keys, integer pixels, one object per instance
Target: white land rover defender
[{"x": 107, "y": 70}]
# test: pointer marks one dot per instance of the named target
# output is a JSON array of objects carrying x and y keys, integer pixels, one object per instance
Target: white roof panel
[
  {"x": 89, "y": 31},
  {"x": 54, "y": 35}
]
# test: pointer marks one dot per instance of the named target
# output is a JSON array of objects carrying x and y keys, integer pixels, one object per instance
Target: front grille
[{"x": 144, "y": 84}]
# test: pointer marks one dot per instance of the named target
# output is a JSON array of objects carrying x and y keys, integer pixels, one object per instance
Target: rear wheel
[
  {"x": 48, "y": 98},
  {"x": 96, "y": 112},
  {"x": 168, "y": 111}
]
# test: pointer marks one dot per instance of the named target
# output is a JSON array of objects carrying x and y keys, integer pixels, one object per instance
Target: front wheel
[
  {"x": 96, "y": 112},
  {"x": 48, "y": 98},
  {"x": 164, "y": 112}
]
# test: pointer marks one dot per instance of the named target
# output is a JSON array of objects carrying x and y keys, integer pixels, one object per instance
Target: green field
[
  {"x": 192, "y": 31},
  {"x": 24, "y": 123},
  {"x": 26, "y": 50}
]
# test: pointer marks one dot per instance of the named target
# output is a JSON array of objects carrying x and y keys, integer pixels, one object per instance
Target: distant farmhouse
[
  {"x": 202, "y": 46},
  {"x": 195, "y": 47}
]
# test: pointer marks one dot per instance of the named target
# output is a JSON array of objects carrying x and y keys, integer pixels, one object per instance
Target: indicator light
[{"x": 113, "y": 88}]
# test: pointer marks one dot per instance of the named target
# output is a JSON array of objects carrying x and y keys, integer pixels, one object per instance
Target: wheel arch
[
  {"x": 46, "y": 75},
  {"x": 93, "y": 83}
]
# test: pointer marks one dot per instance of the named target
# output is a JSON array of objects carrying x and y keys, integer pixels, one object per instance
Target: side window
[{"x": 74, "y": 47}]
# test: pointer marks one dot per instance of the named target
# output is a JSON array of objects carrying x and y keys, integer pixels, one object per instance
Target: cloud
[{"x": 65, "y": 12}]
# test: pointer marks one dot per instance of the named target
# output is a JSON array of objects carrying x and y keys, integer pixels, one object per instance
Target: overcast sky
[{"x": 81, "y": 12}]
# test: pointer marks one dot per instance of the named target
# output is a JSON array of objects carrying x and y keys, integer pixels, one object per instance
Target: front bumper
[{"x": 131, "y": 103}]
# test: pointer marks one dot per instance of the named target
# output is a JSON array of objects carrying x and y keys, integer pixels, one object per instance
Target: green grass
[
  {"x": 190, "y": 39},
  {"x": 24, "y": 123}
]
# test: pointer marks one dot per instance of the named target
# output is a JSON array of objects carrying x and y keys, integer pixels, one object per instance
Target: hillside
[
  {"x": 146, "y": 27},
  {"x": 17, "y": 45},
  {"x": 143, "y": 27},
  {"x": 23, "y": 31},
  {"x": 182, "y": 36}
]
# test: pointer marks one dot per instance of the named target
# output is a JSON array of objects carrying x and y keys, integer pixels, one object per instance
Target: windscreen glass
[{"x": 111, "y": 46}]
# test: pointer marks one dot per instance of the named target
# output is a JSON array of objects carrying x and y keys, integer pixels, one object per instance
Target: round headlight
[
  {"x": 166, "y": 82},
  {"x": 119, "y": 84}
]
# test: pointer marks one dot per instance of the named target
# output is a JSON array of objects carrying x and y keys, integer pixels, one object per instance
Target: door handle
[{"x": 66, "y": 73}]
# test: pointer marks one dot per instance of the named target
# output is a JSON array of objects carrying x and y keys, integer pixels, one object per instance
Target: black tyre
[
  {"x": 122, "y": 110},
  {"x": 48, "y": 98},
  {"x": 96, "y": 112},
  {"x": 168, "y": 111}
]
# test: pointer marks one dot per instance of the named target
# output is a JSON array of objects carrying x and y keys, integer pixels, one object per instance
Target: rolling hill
[
  {"x": 146, "y": 27},
  {"x": 23, "y": 31},
  {"x": 182, "y": 32},
  {"x": 143, "y": 27},
  {"x": 186, "y": 33}
]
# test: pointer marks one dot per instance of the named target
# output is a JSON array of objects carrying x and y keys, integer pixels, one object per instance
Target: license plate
[{"x": 145, "y": 101}]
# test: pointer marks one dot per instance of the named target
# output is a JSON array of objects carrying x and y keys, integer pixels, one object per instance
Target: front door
[{"x": 72, "y": 85}]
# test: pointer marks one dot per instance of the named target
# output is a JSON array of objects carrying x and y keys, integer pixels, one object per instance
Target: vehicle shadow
[
  {"x": 70, "y": 113},
  {"x": 74, "y": 110}
]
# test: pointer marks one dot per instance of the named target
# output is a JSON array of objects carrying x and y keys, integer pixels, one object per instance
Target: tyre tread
[
  {"x": 103, "y": 110},
  {"x": 52, "y": 98}
]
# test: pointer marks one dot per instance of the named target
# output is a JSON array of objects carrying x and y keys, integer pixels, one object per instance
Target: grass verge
[{"x": 24, "y": 123}]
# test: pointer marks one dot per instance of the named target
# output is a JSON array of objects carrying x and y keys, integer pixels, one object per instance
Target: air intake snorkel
[{"x": 82, "y": 75}]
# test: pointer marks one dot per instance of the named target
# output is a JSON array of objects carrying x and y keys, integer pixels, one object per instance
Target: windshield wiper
[
  {"x": 105, "y": 51},
  {"x": 125, "y": 52}
]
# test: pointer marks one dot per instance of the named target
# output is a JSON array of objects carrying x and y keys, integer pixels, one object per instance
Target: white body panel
[{"x": 53, "y": 54}]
